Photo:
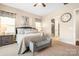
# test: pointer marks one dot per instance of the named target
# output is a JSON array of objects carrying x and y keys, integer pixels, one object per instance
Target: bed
[{"x": 24, "y": 36}]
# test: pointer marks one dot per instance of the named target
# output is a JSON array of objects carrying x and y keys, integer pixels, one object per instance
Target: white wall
[{"x": 66, "y": 29}]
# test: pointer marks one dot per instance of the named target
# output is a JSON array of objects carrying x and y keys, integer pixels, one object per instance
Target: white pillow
[{"x": 20, "y": 31}]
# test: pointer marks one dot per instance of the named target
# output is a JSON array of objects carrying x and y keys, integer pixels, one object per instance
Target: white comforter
[{"x": 24, "y": 39}]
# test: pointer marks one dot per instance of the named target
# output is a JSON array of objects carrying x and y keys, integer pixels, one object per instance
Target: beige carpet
[{"x": 57, "y": 49}]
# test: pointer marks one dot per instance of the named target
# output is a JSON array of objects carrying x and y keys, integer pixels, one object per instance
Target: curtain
[
  {"x": 38, "y": 20},
  {"x": 7, "y": 14}
]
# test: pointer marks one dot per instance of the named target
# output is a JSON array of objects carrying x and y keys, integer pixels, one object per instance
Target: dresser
[{"x": 7, "y": 39}]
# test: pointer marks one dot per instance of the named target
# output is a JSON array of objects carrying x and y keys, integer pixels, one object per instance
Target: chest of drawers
[{"x": 6, "y": 39}]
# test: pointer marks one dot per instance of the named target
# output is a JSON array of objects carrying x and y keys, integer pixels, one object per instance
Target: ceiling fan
[
  {"x": 41, "y": 4},
  {"x": 65, "y": 3}
]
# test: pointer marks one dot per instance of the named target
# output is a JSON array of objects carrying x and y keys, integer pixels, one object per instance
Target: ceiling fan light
[{"x": 39, "y": 5}]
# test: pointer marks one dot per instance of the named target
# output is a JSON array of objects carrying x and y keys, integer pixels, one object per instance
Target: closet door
[{"x": 77, "y": 27}]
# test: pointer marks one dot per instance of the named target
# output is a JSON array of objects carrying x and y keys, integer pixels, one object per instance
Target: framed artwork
[{"x": 25, "y": 21}]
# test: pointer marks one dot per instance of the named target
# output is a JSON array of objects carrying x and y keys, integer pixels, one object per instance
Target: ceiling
[{"x": 41, "y": 11}]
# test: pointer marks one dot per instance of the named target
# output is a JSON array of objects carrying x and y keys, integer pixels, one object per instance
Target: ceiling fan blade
[
  {"x": 35, "y": 4},
  {"x": 43, "y": 5}
]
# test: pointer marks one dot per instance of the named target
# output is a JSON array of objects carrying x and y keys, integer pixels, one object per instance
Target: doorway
[{"x": 53, "y": 27}]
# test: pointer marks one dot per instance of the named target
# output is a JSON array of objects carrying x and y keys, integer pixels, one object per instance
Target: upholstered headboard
[{"x": 25, "y": 29}]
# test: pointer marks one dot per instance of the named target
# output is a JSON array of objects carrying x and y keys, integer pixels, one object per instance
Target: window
[
  {"x": 38, "y": 24},
  {"x": 7, "y": 25}
]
